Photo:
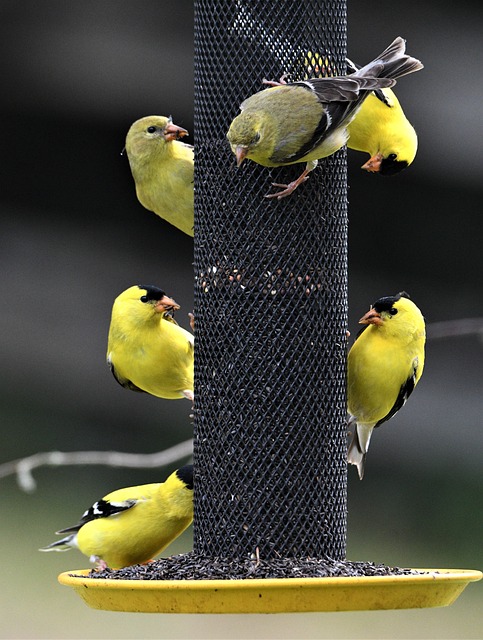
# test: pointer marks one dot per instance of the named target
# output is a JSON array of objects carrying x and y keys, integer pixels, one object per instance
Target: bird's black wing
[
  {"x": 352, "y": 67},
  {"x": 100, "y": 509},
  {"x": 341, "y": 96},
  {"x": 346, "y": 88},
  {"x": 127, "y": 384},
  {"x": 404, "y": 393}
]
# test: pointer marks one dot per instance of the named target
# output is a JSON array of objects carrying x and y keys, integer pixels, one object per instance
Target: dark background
[{"x": 74, "y": 77}]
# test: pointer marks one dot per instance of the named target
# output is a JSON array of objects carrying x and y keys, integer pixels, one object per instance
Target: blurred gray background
[{"x": 75, "y": 75}]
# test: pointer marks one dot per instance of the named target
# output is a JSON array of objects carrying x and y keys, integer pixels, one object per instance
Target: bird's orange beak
[
  {"x": 372, "y": 317},
  {"x": 173, "y": 132},
  {"x": 166, "y": 304},
  {"x": 241, "y": 154},
  {"x": 373, "y": 164}
]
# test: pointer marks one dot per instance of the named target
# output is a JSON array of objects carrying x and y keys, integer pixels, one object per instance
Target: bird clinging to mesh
[
  {"x": 384, "y": 365},
  {"x": 147, "y": 350},
  {"x": 308, "y": 120},
  {"x": 163, "y": 170}
]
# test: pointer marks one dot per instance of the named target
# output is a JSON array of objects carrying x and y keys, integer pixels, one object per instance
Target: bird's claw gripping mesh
[{"x": 270, "y": 300}]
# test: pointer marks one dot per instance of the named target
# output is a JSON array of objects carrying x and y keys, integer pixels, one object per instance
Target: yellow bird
[
  {"x": 384, "y": 365},
  {"x": 307, "y": 120},
  {"x": 382, "y": 130},
  {"x": 147, "y": 350},
  {"x": 163, "y": 170},
  {"x": 132, "y": 525},
  {"x": 380, "y": 127}
]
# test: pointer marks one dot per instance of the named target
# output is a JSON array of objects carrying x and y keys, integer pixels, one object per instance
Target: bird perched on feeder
[
  {"x": 147, "y": 350},
  {"x": 163, "y": 170},
  {"x": 132, "y": 525},
  {"x": 384, "y": 365},
  {"x": 307, "y": 120},
  {"x": 382, "y": 130},
  {"x": 379, "y": 128}
]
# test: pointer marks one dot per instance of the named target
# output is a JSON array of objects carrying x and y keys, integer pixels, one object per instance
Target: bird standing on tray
[
  {"x": 384, "y": 365},
  {"x": 132, "y": 525},
  {"x": 163, "y": 170},
  {"x": 147, "y": 350},
  {"x": 307, "y": 120}
]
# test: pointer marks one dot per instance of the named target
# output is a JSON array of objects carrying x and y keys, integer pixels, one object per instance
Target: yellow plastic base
[{"x": 436, "y": 588}]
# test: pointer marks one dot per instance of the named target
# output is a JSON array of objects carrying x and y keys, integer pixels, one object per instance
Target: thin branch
[
  {"x": 455, "y": 328},
  {"x": 23, "y": 467}
]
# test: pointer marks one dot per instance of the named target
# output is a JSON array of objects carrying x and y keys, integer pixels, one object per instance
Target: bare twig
[
  {"x": 455, "y": 328},
  {"x": 23, "y": 467}
]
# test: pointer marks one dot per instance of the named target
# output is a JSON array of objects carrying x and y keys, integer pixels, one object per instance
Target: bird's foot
[
  {"x": 287, "y": 188},
  {"x": 274, "y": 83},
  {"x": 191, "y": 316},
  {"x": 101, "y": 565},
  {"x": 188, "y": 393}
]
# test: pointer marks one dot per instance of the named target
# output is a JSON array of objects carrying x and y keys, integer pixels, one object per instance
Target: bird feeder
[{"x": 270, "y": 347}]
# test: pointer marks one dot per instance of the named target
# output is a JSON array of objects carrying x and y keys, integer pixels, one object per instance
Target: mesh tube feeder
[
  {"x": 271, "y": 304},
  {"x": 270, "y": 347}
]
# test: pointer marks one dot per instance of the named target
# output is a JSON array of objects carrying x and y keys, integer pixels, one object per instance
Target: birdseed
[{"x": 188, "y": 566}]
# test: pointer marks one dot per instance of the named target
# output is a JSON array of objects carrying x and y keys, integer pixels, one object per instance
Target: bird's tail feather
[
  {"x": 392, "y": 63},
  {"x": 370, "y": 83},
  {"x": 59, "y": 545},
  {"x": 356, "y": 454}
]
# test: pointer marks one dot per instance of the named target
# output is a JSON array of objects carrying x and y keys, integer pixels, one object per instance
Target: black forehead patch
[
  {"x": 387, "y": 303},
  {"x": 152, "y": 293},
  {"x": 185, "y": 474},
  {"x": 389, "y": 166}
]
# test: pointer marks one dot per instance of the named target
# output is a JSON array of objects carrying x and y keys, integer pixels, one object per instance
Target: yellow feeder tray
[{"x": 434, "y": 588}]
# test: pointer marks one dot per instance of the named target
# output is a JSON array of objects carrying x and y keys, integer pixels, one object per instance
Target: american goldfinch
[
  {"x": 384, "y": 365},
  {"x": 132, "y": 525},
  {"x": 379, "y": 128},
  {"x": 382, "y": 130},
  {"x": 307, "y": 120},
  {"x": 163, "y": 170},
  {"x": 147, "y": 350}
]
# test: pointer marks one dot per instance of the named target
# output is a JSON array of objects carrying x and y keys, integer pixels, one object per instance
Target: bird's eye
[
  {"x": 393, "y": 311},
  {"x": 256, "y": 138},
  {"x": 144, "y": 298},
  {"x": 392, "y": 157},
  {"x": 151, "y": 129}
]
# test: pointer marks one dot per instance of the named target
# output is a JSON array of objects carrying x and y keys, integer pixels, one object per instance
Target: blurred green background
[{"x": 73, "y": 236}]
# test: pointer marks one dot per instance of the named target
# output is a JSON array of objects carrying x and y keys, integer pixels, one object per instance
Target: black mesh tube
[{"x": 270, "y": 300}]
